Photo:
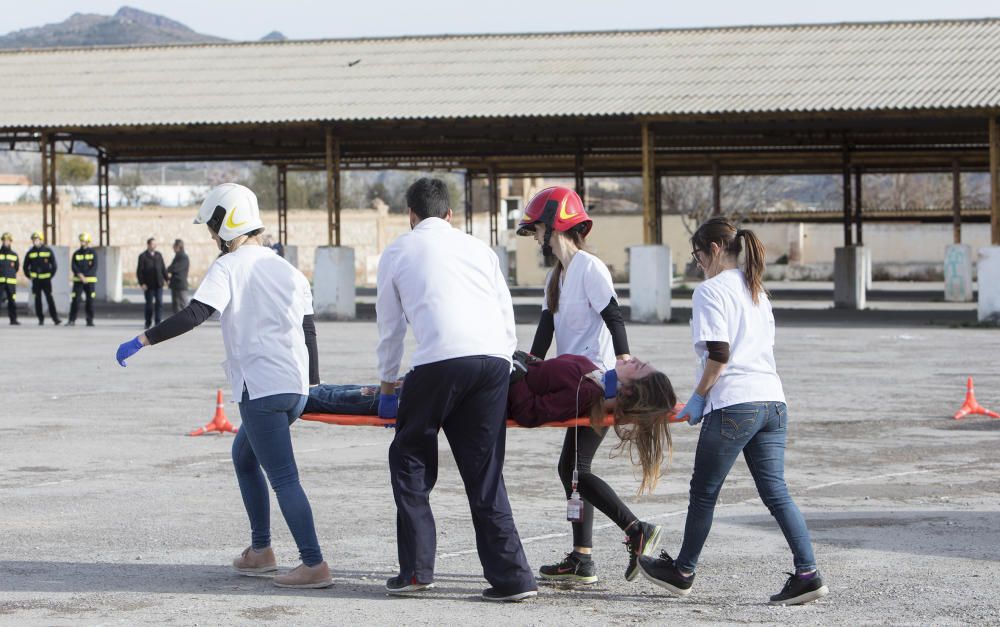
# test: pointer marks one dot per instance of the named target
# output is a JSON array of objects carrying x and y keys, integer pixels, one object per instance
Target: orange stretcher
[{"x": 347, "y": 420}]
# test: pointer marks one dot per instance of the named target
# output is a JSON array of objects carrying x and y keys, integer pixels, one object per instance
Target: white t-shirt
[
  {"x": 586, "y": 290},
  {"x": 723, "y": 311},
  {"x": 449, "y": 288},
  {"x": 262, "y": 299}
]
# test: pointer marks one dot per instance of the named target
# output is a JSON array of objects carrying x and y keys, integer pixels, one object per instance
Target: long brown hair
[
  {"x": 576, "y": 236},
  {"x": 734, "y": 241},
  {"x": 642, "y": 408}
]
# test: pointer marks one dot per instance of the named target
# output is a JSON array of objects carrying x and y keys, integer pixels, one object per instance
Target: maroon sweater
[{"x": 548, "y": 393}]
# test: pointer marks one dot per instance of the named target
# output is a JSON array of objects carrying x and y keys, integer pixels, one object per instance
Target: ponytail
[
  {"x": 753, "y": 268},
  {"x": 735, "y": 241}
]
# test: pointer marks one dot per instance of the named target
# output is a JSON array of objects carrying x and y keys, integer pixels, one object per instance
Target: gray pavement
[{"x": 110, "y": 514}]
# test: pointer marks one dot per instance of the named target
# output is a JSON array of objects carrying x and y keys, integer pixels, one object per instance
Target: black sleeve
[
  {"x": 718, "y": 351},
  {"x": 55, "y": 264},
  {"x": 543, "y": 335},
  {"x": 75, "y": 266},
  {"x": 181, "y": 322},
  {"x": 612, "y": 315},
  {"x": 309, "y": 328}
]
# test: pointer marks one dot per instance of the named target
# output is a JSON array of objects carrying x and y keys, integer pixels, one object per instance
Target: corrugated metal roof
[{"x": 835, "y": 67}]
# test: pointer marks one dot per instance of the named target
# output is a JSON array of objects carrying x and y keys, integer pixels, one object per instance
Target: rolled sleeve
[{"x": 708, "y": 318}]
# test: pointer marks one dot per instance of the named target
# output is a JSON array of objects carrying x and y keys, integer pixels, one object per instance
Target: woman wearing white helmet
[{"x": 271, "y": 360}]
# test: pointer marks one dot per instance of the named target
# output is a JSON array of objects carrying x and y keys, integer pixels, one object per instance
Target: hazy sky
[{"x": 309, "y": 19}]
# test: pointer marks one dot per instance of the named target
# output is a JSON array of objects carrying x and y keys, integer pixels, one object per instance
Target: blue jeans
[
  {"x": 759, "y": 431},
  {"x": 355, "y": 400},
  {"x": 265, "y": 440}
]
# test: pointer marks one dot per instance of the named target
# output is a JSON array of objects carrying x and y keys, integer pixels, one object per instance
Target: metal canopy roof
[
  {"x": 825, "y": 68},
  {"x": 898, "y": 96}
]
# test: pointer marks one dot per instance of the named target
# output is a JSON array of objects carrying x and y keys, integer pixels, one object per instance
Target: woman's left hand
[{"x": 693, "y": 409}]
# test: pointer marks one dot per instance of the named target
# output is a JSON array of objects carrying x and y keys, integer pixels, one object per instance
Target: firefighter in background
[
  {"x": 84, "y": 280},
  {"x": 40, "y": 266},
  {"x": 9, "y": 265}
]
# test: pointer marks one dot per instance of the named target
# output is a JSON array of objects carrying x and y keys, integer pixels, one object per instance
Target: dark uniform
[
  {"x": 85, "y": 263},
  {"x": 9, "y": 265},
  {"x": 40, "y": 266}
]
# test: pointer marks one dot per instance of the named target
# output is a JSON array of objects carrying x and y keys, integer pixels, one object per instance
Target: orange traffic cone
[
  {"x": 972, "y": 406},
  {"x": 220, "y": 424}
]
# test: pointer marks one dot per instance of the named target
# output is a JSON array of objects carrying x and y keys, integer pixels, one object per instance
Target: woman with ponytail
[
  {"x": 581, "y": 312},
  {"x": 740, "y": 403}
]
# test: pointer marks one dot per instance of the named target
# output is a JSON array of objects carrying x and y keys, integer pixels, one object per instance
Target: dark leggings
[{"x": 591, "y": 487}]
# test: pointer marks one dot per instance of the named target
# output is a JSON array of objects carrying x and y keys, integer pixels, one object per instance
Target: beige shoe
[
  {"x": 303, "y": 576},
  {"x": 255, "y": 563}
]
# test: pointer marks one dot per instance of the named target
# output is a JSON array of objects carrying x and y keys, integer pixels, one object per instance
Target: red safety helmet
[{"x": 558, "y": 207}]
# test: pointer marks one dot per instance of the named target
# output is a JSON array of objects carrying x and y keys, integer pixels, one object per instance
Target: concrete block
[
  {"x": 958, "y": 273},
  {"x": 292, "y": 255},
  {"x": 650, "y": 282},
  {"x": 333, "y": 283},
  {"x": 109, "y": 274},
  {"x": 501, "y": 253},
  {"x": 868, "y": 267},
  {"x": 849, "y": 277},
  {"x": 988, "y": 266}
]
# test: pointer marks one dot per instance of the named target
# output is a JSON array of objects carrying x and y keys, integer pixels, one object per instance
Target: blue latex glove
[
  {"x": 388, "y": 404},
  {"x": 693, "y": 409},
  {"x": 611, "y": 383},
  {"x": 128, "y": 349}
]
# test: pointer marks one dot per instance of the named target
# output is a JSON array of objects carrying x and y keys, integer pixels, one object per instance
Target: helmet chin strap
[{"x": 546, "y": 246}]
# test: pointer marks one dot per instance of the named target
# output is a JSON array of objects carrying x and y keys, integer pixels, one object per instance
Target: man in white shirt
[{"x": 448, "y": 286}]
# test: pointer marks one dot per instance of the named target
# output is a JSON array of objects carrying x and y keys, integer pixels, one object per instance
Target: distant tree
[
  {"x": 128, "y": 183},
  {"x": 75, "y": 170}
]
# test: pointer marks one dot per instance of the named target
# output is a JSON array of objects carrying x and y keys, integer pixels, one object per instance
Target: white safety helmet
[{"x": 230, "y": 210}]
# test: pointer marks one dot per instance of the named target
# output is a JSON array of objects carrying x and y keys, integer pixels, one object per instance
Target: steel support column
[
  {"x": 716, "y": 190},
  {"x": 332, "y": 188},
  {"x": 283, "y": 204},
  {"x": 49, "y": 199},
  {"x": 846, "y": 193},
  {"x": 649, "y": 230},
  {"x": 467, "y": 199},
  {"x": 578, "y": 175},
  {"x": 956, "y": 201},
  {"x": 994, "y": 181},
  {"x": 858, "y": 219},
  {"x": 103, "y": 199},
  {"x": 494, "y": 206}
]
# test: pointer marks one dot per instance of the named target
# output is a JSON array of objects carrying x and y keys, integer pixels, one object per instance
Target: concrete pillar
[
  {"x": 796, "y": 242},
  {"x": 333, "y": 283},
  {"x": 958, "y": 273},
  {"x": 109, "y": 274},
  {"x": 849, "y": 277},
  {"x": 868, "y": 266},
  {"x": 292, "y": 255},
  {"x": 501, "y": 253},
  {"x": 60, "y": 284},
  {"x": 650, "y": 280},
  {"x": 988, "y": 271}
]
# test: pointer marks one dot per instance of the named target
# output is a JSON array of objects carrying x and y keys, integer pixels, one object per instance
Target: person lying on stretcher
[{"x": 640, "y": 398}]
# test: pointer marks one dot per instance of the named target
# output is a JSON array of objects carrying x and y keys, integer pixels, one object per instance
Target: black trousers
[
  {"x": 593, "y": 489},
  {"x": 153, "y": 296},
  {"x": 466, "y": 397},
  {"x": 8, "y": 292},
  {"x": 39, "y": 287},
  {"x": 87, "y": 291}
]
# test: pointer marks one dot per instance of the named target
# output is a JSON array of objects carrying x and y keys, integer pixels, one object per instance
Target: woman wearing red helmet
[{"x": 581, "y": 311}]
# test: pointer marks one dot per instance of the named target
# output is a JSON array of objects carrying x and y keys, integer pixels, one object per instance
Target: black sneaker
[
  {"x": 799, "y": 590},
  {"x": 71, "y": 323},
  {"x": 571, "y": 569},
  {"x": 496, "y": 594},
  {"x": 643, "y": 542},
  {"x": 663, "y": 572},
  {"x": 400, "y": 585},
  {"x": 90, "y": 323}
]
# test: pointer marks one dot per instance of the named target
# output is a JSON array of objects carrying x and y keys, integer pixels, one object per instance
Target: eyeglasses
[{"x": 694, "y": 254}]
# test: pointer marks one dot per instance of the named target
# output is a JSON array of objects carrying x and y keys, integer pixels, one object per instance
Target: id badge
[{"x": 574, "y": 508}]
